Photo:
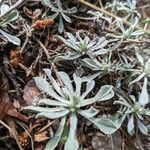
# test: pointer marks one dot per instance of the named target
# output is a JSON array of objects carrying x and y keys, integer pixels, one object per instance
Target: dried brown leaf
[{"x": 31, "y": 93}]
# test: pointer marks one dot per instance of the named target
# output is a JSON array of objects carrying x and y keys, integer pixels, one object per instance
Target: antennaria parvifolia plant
[
  {"x": 70, "y": 101},
  {"x": 79, "y": 46},
  {"x": 134, "y": 110}
]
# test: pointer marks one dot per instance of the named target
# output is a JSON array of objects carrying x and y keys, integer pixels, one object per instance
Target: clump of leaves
[
  {"x": 125, "y": 34},
  {"x": 105, "y": 64},
  {"x": 5, "y": 21},
  {"x": 129, "y": 7},
  {"x": 96, "y": 16},
  {"x": 59, "y": 12},
  {"x": 79, "y": 46},
  {"x": 144, "y": 71},
  {"x": 135, "y": 110},
  {"x": 69, "y": 100}
]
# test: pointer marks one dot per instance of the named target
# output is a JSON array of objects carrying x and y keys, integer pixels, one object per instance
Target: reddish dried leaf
[
  {"x": 32, "y": 14},
  {"x": 31, "y": 93},
  {"x": 4, "y": 107},
  {"x": 42, "y": 136},
  {"x": 40, "y": 24},
  {"x": 15, "y": 58},
  {"x": 16, "y": 104},
  {"x": 18, "y": 115},
  {"x": 24, "y": 136}
]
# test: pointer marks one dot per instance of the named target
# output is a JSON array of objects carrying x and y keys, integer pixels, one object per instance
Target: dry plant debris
[{"x": 75, "y": 74}]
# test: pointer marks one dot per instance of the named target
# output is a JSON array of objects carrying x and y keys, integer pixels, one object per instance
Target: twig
[
  {"x": 15, "y": 137},
  {"x": 32, "y": 143},
  {"x": 52, "y": 64},
  {"x": 24, "y": 45},
  {"x": 17, "y": 4},
  {"x": 111, "y": 15},
  {"x": 25, "y": 69},
  {"x": 44, "y": 48}
]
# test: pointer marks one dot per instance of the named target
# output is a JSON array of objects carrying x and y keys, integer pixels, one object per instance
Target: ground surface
[{"x": 39, "y": 47}]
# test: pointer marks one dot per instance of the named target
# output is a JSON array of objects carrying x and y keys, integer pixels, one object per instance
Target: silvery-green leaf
[
  {"x": 78, "y": 82},
  {"x": 71, "y": 37},
  {"x": 134, "y": 22},
  {"x": 66, "y": 17},
  {"x": 89, "y": 87},
  {"x": 99, "y": 52},
  {"x": 54, "y": 82},
  {"x": 67, "y": 57},
  {"x": 98, "y": 74},
  {"x": 53, "y": 115},
  {"x": 68, "y": 42},
  {"x": 105, "y": 93},
  {"x": 72, "y": 141},
  {"x": 96, "y": 14},
  {"x": 89, "y": 113},
  {"x": 47, "y": 3},
  {"x": 66, "y": 81},
  {"x": 102, "y": 42},
  {"x": 120, "y": 24},
  {"x": 79, "y": 37},
  {"x": 137, "y": 33},
  {"x": 119, "y": 120},
  {"x": 140, "y": 58},
  {"x": 142, "y": 127},
  {"x": 71, "y": 10},
  {"x": 3, "y": 8},
  {"x": 138, "y": 78},
  {"x": 146, "y": 112},
  {"x": 38, "y": 109},
  {"x": 130, "y": 126},
  {"x": 44, "y": 86},
  {"x": 91, "y": 44},
  {"x": 122, "y": 103},
  {"x": 11, "y": 17},
  {"x": 129, "y": 111},
  {"x": 139, "y": 116},
  {"x": 50, "y": 102},
  {"x": 133, "y": 98},
  {"x": 107, "y": 126},
  {"x": 87, "y": 62},
  {"x": 10, "y": 38},
  {"x": 52, "y": 144},
  {"x": 61, "y": 24},
  {"x": 86, "y": 40},
  {"x": 128, "y": 33},
  {"x": 147, "y": 67},
  {"x": 144, "y": 98},
  {"x": 114, "y": 36}
]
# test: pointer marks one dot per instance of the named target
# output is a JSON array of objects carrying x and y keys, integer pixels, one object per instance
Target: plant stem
[
  {"x": 12, "y": 8},
  {"x": 111, "y": 15}
]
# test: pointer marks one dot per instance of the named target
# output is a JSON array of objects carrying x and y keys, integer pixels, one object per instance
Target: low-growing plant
[
  {"x": 67, "y": 99},
  {"x": 104, "y": 65},
  {"x": 7, "y": 20},
  {"x": 143, "y": 71},
  {"x": 59, "y": 12},
  {"x": 129, "y": 33},
  {"x": 79, "y": 46},
  {"x": 135, "y": 110},
  {"x": 129, "y": 7},
  {"x": 97, "y": 16}
]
